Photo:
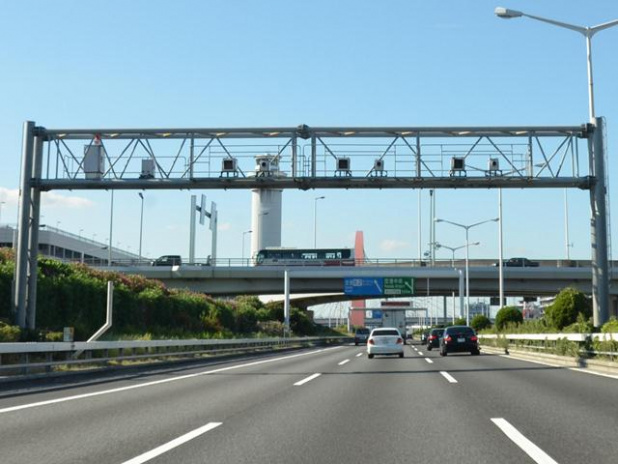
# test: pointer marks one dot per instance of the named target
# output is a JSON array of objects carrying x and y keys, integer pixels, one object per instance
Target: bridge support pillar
[{"x": 598, "y": 225}]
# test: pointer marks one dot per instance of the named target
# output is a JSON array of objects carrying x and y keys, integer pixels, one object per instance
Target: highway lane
[{"x": 355, "y": 410}]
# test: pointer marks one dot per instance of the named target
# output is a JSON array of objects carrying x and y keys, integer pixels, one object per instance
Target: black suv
[
  {"x": 433, "y": 340},
  {"x": 361, "y": 336},
  {"x": 459, "y": 338}
]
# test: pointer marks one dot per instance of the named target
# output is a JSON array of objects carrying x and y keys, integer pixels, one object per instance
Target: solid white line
[
  {"x": 448, "y": 377},
  {"x": 308, "y": 379},
  {"x": 359, "y": 355},
  {"x": 429, "y": 360},
  {"x": 172, "y": 444},
  {"x": 157, "y": 382},
  {"x": 537, "y": 454},
  {"x": 601, "y": 374},
  {"x": 344, "y": 362},
  {"x": 576, "y": 369}
]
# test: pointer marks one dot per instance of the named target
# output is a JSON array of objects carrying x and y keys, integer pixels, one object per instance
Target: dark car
[
  {"x": 361, "y": 336},
  {"x": 518, "y": 262},
  {"x": 168, "y": 260},
  {"x": 433, "y": 340},
  {"x": 459, "y": 338}
]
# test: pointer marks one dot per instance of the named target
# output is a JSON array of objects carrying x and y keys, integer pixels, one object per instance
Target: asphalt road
[{"x": 322, "y": 406}]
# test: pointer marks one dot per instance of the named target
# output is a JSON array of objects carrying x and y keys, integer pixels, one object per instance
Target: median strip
[
  {"x": 537, "y": 454},
  {"x": 172, "y": 444},
  {"x": 308, "y": 379}
]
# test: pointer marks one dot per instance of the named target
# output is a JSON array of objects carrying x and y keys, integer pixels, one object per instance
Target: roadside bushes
[
  {"x": 508, "y": 315},
  {"x": 9, "y": 333},
  {"x": 568, "y": 305},
  {"x": 75, "y": 295},
  {"x": 480, "y": 322}
]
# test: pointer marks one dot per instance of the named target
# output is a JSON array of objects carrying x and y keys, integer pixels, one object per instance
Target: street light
[
  {"x": 453, "y": 250},
  {"x": 243, "y": 243},
  {"x": 315, "y": 220},
  {"x": 587, "y": 32},
  {"x": 141, "y": 226},
  {"x": 467, "y": 228}
]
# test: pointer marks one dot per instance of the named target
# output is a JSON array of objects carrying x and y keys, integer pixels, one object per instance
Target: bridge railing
[
  {"x": 17, "y": 359},
  {"x": 403, "y": 262}
]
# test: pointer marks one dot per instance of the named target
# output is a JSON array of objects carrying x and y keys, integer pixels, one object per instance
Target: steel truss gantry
[{"x": 305, "y": 157}]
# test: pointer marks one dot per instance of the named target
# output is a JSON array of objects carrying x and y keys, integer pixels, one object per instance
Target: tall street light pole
[
  {"x": 587, "y": 32},
  {"x": 598, "y": 193},
  {"x": 467, "y": 229},
  {"x": 243, "y": 243},
  {"x": 141, "y": 226},
  {"x": 111, "y": 229},
  {"x": 315, "y": 220}
]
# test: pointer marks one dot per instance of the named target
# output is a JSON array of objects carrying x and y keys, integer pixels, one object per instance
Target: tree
[
  {"x": 567, "y": 306},
  {"x": 480, "y": 322},
  {"x": 508, "y": 314}
]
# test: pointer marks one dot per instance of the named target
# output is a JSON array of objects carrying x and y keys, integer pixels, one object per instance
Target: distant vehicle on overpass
[
  {"x": 305, "y": 257},
  {"x": 518, "y": 262}
]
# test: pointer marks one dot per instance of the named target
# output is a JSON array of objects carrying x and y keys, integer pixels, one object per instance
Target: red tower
[{"x": 357, "y": 309}]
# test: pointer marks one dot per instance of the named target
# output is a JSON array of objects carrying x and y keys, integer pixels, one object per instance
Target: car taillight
[
  {"x": 448, "y": 339},
  {"x": 473, "y": 338},
  {"x": 432, "y": 337},
  {"x": 371, "y": 342},
  {"x": 399, "y": 341}
]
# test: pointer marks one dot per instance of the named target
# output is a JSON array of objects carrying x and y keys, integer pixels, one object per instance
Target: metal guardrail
[
  {"x": 574, "y": 337},
  {"x": 43, "y": 358},
  {"x": 554, "y": 337}
]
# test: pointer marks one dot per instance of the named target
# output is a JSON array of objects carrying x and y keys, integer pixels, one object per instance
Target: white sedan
[{"x": 385, "y": 340}]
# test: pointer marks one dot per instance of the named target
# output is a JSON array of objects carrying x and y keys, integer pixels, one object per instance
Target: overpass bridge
[{"x": 428, "y": 281}]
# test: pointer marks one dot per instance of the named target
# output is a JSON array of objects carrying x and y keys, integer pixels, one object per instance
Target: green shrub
[
  {"x": 459, "y": 321},
  {"x": 565, "y": 309},
  {"x": 581, "y": 326},
  {"x": 246, "y": 320},
  {"x": 301, "y": 323},
  {"x": 508, "y": 315},
  {"x": 9, "y": 333},
  {"x": 610, "y": 326},
  {"x": 480, "y": 322}
]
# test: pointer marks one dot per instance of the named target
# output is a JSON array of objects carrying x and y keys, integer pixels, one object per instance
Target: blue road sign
[{"x": 363, "y": 286}]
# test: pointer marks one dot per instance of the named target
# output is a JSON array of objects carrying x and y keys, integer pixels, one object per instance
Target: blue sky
[{"x": 129, "y": 64}]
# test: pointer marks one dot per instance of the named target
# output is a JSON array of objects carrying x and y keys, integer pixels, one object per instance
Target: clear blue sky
[{"x": 80, "y": 64}]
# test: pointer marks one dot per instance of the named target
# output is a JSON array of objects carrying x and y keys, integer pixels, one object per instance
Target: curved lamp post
[
  {"x": 598, "y": 194},
  {"x": 467, "y": 245},
  {"x": 587, "y": 32}
]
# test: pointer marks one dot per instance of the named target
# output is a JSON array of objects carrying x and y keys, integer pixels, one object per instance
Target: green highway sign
[{"x": 398, "y": 286}]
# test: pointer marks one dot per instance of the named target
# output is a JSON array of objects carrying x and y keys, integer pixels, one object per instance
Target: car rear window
[
  {"x": 386, "y": 332},
  {"x": 362, "y": 331},
  {"x": 437, "y": 331},
  {"x": 461, "y": 331}
]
